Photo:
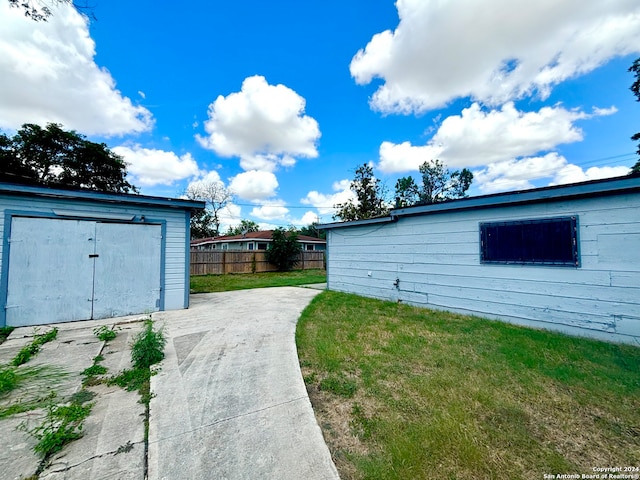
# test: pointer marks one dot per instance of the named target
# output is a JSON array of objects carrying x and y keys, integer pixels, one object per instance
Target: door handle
[{"x": 93, "y": 255}]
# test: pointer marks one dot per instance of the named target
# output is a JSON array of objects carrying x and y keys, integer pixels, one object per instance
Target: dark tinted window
[{"x": 549, "y": 241}]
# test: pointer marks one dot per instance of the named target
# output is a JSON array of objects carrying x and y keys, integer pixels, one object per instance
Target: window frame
[{"x": 572, "y": 260}]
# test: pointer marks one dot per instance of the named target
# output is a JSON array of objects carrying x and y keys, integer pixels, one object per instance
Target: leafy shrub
[{"x": 284, "y": 249}]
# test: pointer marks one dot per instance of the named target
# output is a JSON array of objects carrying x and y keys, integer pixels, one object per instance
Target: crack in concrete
[
  {"x": 51, "y": 467},
  {"x": 223, "y": 420}
]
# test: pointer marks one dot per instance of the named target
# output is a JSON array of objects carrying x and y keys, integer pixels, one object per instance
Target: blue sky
[{"x": 281, "y": 101}]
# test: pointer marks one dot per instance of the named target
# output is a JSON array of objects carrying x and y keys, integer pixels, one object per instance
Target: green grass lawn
[
  {"x": 407, "y": 393},
  {"x": 243, "y": 281}
]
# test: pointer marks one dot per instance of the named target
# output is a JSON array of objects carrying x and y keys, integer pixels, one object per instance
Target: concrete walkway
[{"x": 230, "y": 402}]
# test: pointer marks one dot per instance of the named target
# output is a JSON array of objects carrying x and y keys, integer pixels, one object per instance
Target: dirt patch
[{"x": 344, "y": 426}]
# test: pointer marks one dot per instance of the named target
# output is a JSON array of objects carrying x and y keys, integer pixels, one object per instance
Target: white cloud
[
  {"x": 271, "y": 210},
  {"x": 49, "y": 75},
  {"x": 266, "y": 163},
  {"x": 479, "y": 137},
  {"x": 150, "y": 167},
  {"x": 325, "y": 202},
  {"x": 264, "y": 124},
  {"x": 517, "y": 174},
  {"x": 254, "y": 185},
  {"x": 206, "y": 178},
  {"x": 307, "y": 219},
  {"x": 492, "y": 51},
  {"x": 573, "y": 173}
]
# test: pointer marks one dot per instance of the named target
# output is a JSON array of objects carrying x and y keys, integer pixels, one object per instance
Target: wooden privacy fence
[{"x": 245, "y": 261}]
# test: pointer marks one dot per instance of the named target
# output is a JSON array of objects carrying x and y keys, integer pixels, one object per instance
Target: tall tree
[
  {"x": 439, "y": 184},
  {"x": 311, "y": 230},
  {"x": 370, "y": 197},
  {"x": 53, "y": 156},
  {"x": 635, "y": 88},
  {"x": 407, "y": 192},
  {"x": 245, "y": 226},
  {"x": 216, "y": 196}
]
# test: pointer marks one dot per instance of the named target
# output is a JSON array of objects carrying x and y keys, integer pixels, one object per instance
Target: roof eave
[
  {"x": 119, "y": 198},
  {"x": 357, "y": 223},
  {"x": 592, "y": 188}
]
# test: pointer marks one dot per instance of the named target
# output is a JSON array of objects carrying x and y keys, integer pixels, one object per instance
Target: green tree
[
  {"x": 439, "y": 184},
  {"x": 370, "y": 197},
  {"x": 635, "y": 88},
  {"x": 245, "y": 226},
  {"x": 311, "y": 230},
  {"x": 202, "y": 225},
  {"x": 406, "y": 192},
  {"x": 284, "y": 250},
  {"x": 56, "y": 157}
]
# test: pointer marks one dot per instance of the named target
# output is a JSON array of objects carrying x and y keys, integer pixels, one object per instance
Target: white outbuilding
[
  {"x": 564, "y": 258},
  {"x": 71, "y": 255}
]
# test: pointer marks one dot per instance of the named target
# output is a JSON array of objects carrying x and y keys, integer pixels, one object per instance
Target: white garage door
[{"x": 65, "y": 270}]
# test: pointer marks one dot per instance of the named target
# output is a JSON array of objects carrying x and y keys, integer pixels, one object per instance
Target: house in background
[
  {"x": 564, "y": 258},
  {"x": 253, "y": 241},
  {"x": 72, "y": 255}
]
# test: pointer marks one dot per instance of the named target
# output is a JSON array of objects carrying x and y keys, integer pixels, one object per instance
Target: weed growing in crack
[
  {"x": 92, "y": 373},
  {"x": 25, "y": 354},
  {"x": 148, "y": 346},
  {"x": 62, "y": 424},
  {"x": 147, "y": 350},
  {"x": 131, "y": 379},
  {"x": 94, "y": 370},
  {"x": 126, "y": 448},
  {"x": 105, "y": 333}
]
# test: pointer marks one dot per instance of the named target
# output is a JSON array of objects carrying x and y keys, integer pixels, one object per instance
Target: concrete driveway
[{"x": 230, "y": 401}]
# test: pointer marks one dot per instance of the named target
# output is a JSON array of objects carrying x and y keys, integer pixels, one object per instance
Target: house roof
[
  {"x": 593, "y": 188},
  {"x": 261, "y": 235},
  {"x": 90, "y": 195}
]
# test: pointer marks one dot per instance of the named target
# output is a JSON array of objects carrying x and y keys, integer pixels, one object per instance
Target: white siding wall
[
  {"x": 175, "y": 246},
  {"x": 437, "y": 260}
]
